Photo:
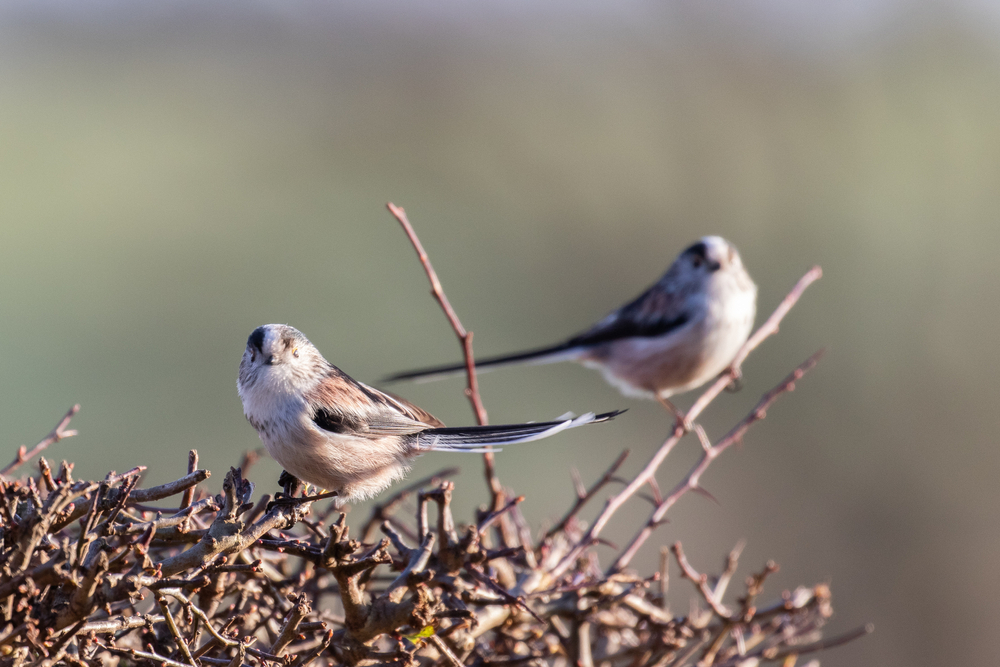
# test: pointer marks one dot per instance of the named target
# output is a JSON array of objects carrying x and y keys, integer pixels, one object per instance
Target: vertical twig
[
  {"x": 188, "y": 496},
  {"x": 664, "y": 576},
  {"x": 172, "y": 625},
  {"x": 465, "y": 337},
  {"x": 701, "y": 583}
]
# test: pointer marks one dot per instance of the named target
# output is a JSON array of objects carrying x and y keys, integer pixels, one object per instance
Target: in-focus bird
[
  {"x": 678, "y": 334},
  {"x": 341, "y": 435}
]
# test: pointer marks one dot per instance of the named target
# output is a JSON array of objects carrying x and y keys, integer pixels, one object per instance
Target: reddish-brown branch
[
  {"x": 732, "y": 560},
  {"x": 488, "y": 520},
  {"x": 465, "y": 337},
  {"x": 57, "y": 434},
  {"x": 614, "y": 503}
]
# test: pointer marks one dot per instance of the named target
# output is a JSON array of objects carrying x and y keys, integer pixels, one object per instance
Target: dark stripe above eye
[
  {"x": 699, "y": 249},
  {"x": 256, "y": 339}
]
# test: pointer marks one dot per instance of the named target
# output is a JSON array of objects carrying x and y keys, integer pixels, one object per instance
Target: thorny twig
[
  {"x": 691, "y": 481},
  {"x": 464, "y": 336}
]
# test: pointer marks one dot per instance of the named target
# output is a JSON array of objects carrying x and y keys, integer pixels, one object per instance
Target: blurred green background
[{"x": 174, "y": 174}]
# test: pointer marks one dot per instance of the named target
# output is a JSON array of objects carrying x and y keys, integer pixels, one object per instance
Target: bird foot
[
  {"x": 682, "y": 420},
  {"x": 289, "y": 483},
  {"x": 736, "y": 373},
  {"x": 282, "y": 499}
]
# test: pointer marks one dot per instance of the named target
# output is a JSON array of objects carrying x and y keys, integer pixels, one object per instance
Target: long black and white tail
[
  {"x": 544, "y": 355},
  {"x": 489, "y": 438}
]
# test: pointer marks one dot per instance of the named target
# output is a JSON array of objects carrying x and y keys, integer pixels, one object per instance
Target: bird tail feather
[
  {"x": 489, "y": 438},
  {"x": 544, "y": 355}
]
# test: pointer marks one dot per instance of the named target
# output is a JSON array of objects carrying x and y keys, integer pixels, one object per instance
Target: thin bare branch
[
  {"x": 488, "y": 520},
  {"x": 291, "y": 625},
  {"x": 383, "y": 511},
  {"x": 448, "y": 654},
  {"x": 824, "y": 644},
  {"x": 162, "y": 491},
  {"x": 55, "y": 435},
  {"x": 465, "y": 337},
  {"x": 732, "y": 561},
  {"x": 188, "y": 496}
]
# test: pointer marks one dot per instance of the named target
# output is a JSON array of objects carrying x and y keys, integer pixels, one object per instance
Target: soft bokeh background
[{"x": 174, "y": 174}]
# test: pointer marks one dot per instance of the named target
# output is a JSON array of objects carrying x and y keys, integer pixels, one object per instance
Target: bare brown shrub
[{"x": 98, "y": 572}]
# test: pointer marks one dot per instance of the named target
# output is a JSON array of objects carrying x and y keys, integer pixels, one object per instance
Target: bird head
[
  {"x": 711, "y": 254},
  {"x": 278, "y": 357}
]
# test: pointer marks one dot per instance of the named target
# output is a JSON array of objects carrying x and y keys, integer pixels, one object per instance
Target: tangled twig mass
[{"x": 107, "y": 571}]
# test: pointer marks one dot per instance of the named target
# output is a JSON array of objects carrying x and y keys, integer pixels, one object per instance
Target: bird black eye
[
  {"x": 295, "y": 353},
  {"x": 696, "y": 261}
]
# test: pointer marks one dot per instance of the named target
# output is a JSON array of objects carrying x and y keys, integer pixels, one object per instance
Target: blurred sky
[{"x": 174, "y": 174}]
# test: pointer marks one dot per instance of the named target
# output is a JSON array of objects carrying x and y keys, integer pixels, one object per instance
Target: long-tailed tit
[
  {"x": 677, "y": 335},
  {"x": 341, "y": 435}
]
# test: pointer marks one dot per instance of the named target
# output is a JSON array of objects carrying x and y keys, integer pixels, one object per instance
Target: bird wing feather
[
  {"x": 659, "y": 310},
  {"x": 341, "y": 404}
]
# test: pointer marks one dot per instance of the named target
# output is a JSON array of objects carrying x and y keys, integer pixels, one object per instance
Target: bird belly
[
  {"x": 355, "y": 467},
  {"x": 677, "y": 362},
  {"x": 643, "y": 367}
]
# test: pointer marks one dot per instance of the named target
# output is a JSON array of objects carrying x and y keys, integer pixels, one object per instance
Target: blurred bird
[
  {"x": 678, "y": 334},
  {"x": 341, "y": 435}
]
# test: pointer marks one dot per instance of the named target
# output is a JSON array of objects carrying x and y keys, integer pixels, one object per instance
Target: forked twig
[
  {"x": 701, "y": 582},
  {"x": 584, "y": 495},
  {"x": 54, "y": 436},
  {"x": 732, "y": 560}
]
